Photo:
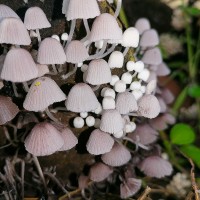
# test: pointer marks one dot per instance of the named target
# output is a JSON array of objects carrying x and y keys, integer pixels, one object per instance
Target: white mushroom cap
[
  {"x": 149, "y": 38},
  {"x": 127, "y": 78},
  {"x": 137, "y": 94},
  {"x": 13, "y": 31},
  {"x": 114, "y": 79},
  {"x": 148, "y": 106},
  {"x": 152, "y": 56},
  {"x": 139, "y": 66},
  {"x": 35, "y": 18},
  {"x": 19, "y": 66},
  {"x": 42, "y": 70},
  {"x": 105, "y": 27},
  {"x": 109, "y": 93},
  {"x": 98, "y": 72},
  {"x": 43, "y": 92},
  {"x": 90, "y": 121},
  {"x": 6, "y": 11},
  {"x": 65, "y": 6},
  {"x": 56, "y": 37},
  {"x": 144, "y": 75},
  {"x": 108, "y": 103},
  {"x": 76, "y": 52},
  {"x": 120, "y": 86},
  {"x": 142, "y": 25},
  {"x": 111, "y": 121},
  {"x": 80, "y": 9},
  {"x": 99, "y": 44},
  {"x": 51, "y": 52},
  {"x": 81, "y": 98},
  {"x": 116, "y": 60},
  {"x": 83, "y": 114},
  {"x": 136, "y": 85},
  {"x": 78, "y": 122},
  {"x": 64, "y": 36},
  {"x": 130, "y": 37},
  {"x": 130, "y": 66}
]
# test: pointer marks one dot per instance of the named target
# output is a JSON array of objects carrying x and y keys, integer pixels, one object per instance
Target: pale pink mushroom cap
[
  {"x": 158, "y": 123},
  {"x": 6, "y": 11},
  {"x": 149, "y": 38},
  {"x": 98, "y": 72},
  {"x": 163, "y": 105},
  {"x": 19, "y": 66},
  {"x": 142, "y": 25},
  {"x": 51, "y": 52},
  {"x": 42, "y": 70},
  {"x": 70, "y": 140},
  {"x": 167, "y": 96},
  {"x": 152, "y": 56},
  {"x": 111, "y": 121},
  {"x": 118, "y": 156},
  {"x": 43, "y": 92},
  {"x": 81, "y": 98},
  {"x": 13, "y": 31},
  {"x": 163, "y": 70},
  {"x": 80, "y": 9},
  {"x": 99, "y": 172},
  {"x": 8, "y": 110},
  {"x": 126, "y": 103},
  {"x": 105, "y": 27},
  {"x": 76, "y": 52},
  {"x": 148, "y": 106},
  {"x": 44, "y": 139},
  {"x": 145, "y": 133},
  {"x": 99, "y": 142},
  {"x": 35, "y": 18},
  {"x": 157, "y": 167},
  {"x": 130, "y": 187}
]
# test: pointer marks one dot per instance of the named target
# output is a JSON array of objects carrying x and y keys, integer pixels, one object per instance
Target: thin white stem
[
  {"x": 66, "y": 76},
  {"x": 125, "y": 51},
  {"x": 22, "y": 177},
  {"x": 60, "y": 68},
  {"x": 26, "y": 88},
  {"x": 38, "y": 36},
  {"x": 15, "y": 90},
  {"x": 54, "y": 69},
  {"x": 135, "y": 73},
  {"x": 55, "y": 110},
  {"x": 14, "y": 131},
  {"x": 51, "y": 116},
  {"x": 95, "y": 88},
  {"x": 87, "y": 28},
  {"x": 71, "y": 33},
  {"x": 108, "y": 51},
  {"x": 37, "y": 164},
  {"x": 119, "y": 6}
]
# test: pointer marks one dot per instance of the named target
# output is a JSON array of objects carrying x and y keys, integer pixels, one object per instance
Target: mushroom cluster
[{"x": 117, "y": 93}]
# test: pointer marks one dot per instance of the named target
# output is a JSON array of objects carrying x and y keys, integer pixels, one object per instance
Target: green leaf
[
  {"x": 194, "y": 91},
  {"x": 182, "y": 134},
  {"x": 192, "y": 11},
  {"x": 192, "y": 152}
]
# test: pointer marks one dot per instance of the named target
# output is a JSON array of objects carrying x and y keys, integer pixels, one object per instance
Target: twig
[{"x": 145, "y": 193}]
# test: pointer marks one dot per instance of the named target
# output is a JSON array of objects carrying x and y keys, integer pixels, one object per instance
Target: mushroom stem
[
  {"x": 26, "y": 88},
  {"x": 15, "y": 90},
  {"x": 38, "y": 36},
  {"x": 22, "y": 177},
  {"x": 125, "y": 51},
  {"x": 95, "y": 88},
  {"x": 133, "y": 114},
  {"x": 54, "y": 69},
  {"x": 111, "y": 49},
  {"x": 117, "y": 11},
  {"x": 37, "y": 164},
  {"x": 51, "y": 116},
  {"x": 60, "y": 69},
  {"x": 87, "y": 28},
  {"x": 134, "y": 74},
  {"x": 71, "y": 33},
  {"x": 55, "y": 110},
  {"x": 14, "y": 131},
  {"x": 66, "y": 76}
]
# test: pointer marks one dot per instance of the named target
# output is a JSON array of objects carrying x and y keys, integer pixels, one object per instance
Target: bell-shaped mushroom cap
[
  {"x": 19, "y": 66},
  {"x": 8, "y": 110},
  {"x": 145, "y": 134},
  {"x": 70, "y": 140},
  {"x": 13, "y": 31},
  {"x": 35, "y": 18},
  {"x": 142, "y": 25},
  {"x": 81, "y": 98},
  {"x": 152, "y": 56},
  {"x": 149, "y": 38},
  {"x": 118, "y": 156},
  {"x": 98, "y": 72},
  {"x": 44, "y": 139},
  {"x": 130, "y": 37},
  {"x": 51, "y": 52},
  {"x": 43, "y": 92},
  {"x": 126, "y": 103},
  {"x": 6, "y": 11},
  {"x": 80, "y": 9},
  {"x": 99, "y": 172},
  {"x": 25, "y": 119},
  {"x": 99, "y": 142},
  {"x": 76, "y": 52},
  {"x": 157, "y": 167},
  {"x": 163, "y": 70},
  {"x": 167, "y": 96},
  {"x": 163, "y": 105},
  {"x": 130, "y": 187},
  {"x": 158, "y": 123},
  {"x": 65, "y": 5},
  {"x": 42, "y": 70},
  {"x": 111, "y": 121},
  {"x": 105, "y": 27},
  {"x": 148, "y": 106}
]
